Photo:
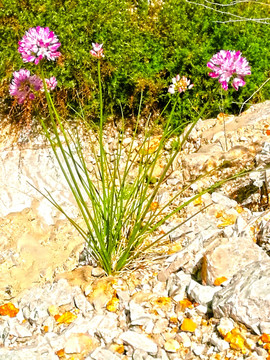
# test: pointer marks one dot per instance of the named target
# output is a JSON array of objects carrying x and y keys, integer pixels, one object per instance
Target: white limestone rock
[
  {"x": 139, "y": 341},
  {"x": 202, "y": 294},
  {"x": 247, "y": 297}
]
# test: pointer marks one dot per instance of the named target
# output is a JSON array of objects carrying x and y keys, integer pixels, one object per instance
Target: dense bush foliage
[{"x": 145, "y": 45}]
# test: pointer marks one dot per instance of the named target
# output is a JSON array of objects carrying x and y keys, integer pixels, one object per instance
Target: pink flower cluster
[
  {"x": 225, "y": 64},
  {"x": 97, "y": 50},
  {"x": 180, "y": 84},
  {"x": 25, "y": 86},
  {"x": 39, "y": 43}
]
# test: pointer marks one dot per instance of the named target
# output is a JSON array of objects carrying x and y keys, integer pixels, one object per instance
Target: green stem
[
  {"x": 101, "y": 148},
  {"x": 224, "y": 125}
]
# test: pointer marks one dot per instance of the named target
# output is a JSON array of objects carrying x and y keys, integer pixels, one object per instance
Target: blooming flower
[
  {"x": 179, "y": 84},
  {"x": 24, "y": 85},
  {"x": 97, "y": 50},
  {"x": 51, "y": 83},
  {"x": 39, "y": 43},
  {"x": 225, "y": 64}
]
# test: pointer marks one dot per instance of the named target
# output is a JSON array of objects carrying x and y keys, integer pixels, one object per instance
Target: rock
[
  {"x": 139, "y": 315},
  {"x": 20, "y": 331},
  {"x": 82, "y": 304},
  {"x": 80, "y": 343},
  {"x": 225, "y": 325},
  {"x": 139, "y": 354},
  {"x": 177, "y": 285},
  {"x": 29, "y": 354},
  {"x": 108, "y": 328},
  {"x": 103, "y": 354},
  {"x": 198, "y": 349},
  {"x": 247, "y": 297},
  {"x": 101, "y": 292},
  {"x": 98, "y": 271},
  {"x": 139, "y": 341},
  {"x": 184, "y": 338},
  {"x": 219, "y": 343},
  {"x": 172, "y": 345},
  {"x": 188, "y": 258},
  {"x": 223, "y": 200},
  {"x": 202, "y": 294},
  {"x": 230, "y": 256}
]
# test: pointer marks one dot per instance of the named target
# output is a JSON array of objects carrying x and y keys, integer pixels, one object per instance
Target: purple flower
[
  {"x": 97, "y": 50},
  {"x": 180, "y": 84},
  {"x": 23, "y": 85},
  {"x": 225, "y": 64},
  {"x": 51, "y": 83},
  {"x": 39, "y": 43}
]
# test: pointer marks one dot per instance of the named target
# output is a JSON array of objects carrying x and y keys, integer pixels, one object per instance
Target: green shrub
[{"x": 145, "y": 46}]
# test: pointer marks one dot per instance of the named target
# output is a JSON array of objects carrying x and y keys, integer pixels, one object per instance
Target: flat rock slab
[
  {"x": 247, "y": 298},
  {"x": 31, "y": 251},
  {"x": 230, "y": 256}
]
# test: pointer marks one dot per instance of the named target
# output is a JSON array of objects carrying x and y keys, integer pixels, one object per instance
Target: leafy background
[{"x": 146, "y": 43}]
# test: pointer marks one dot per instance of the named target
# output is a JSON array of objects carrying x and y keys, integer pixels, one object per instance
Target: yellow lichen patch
[
  {"x": 218, "y": 214},
  {"x": 153, "y": 206},
  {"x": 198, "y": 201},
  {"x": 265, "y": 338},
  {"x": 175, "y": 248},
  {"x": 67, "y": 318},
  {"x": 236, "y": 340},
  {"x": 220, "y": 280},
  {"x": 53, "y": 310},
  {"x": 8, "y": 309},
  {"x": 173, "y": 320},
  {"x": 162, "y": 301},
  {"x": 188, "y": 325},
  {"x": 239, "y": 209},
  {"x": 221, "y": 117},
  {"x": 227, "y": 219},
  {"x": 151, "y": 146},
  {"x": 185, "y": 303},
  {"x": 118, "y": 348},
  {"x": 112, "y": 305}
]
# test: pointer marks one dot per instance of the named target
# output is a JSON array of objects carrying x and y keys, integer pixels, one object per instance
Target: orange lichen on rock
[
  {"x": 112, "y": 305},
  {"x": 175, "y": 248},
  {"x": 60, "y": 353},
  {"x": 153, "y": 206},
  {"x": 188, "y": 325},
  {"x": 265, "y": 338},
  {"x": 185, "y": 303},
  {"x": 8, "y": 309},
  {"x": 162, "y": 301},
  {"x": 227, "y": 219},
  {"x": 236, "y": 340},
  {"x": 220, "y": 280},
  {"x": 118, "y": 348},
  {"x": 67, "y": 318}
]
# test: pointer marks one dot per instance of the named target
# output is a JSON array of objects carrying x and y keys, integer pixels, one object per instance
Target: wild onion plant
[{"x": 119, "y": 211}]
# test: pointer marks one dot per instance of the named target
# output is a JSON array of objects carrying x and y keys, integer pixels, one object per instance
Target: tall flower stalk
[{"x": 225, "y": 65}]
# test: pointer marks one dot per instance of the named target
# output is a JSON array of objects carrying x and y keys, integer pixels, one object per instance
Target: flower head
[
  {"x": 225, "y": 64},
  {"x": 180, "y": 84},
  {"x": 39, "y": 43},
  {"x": 51, "y": 83},
  {"x": 97, "y": 50},
  {"x": 24, "y": 85}
]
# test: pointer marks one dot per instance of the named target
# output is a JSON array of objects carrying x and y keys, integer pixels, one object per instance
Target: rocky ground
[{"x": 203, "y": 294}]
